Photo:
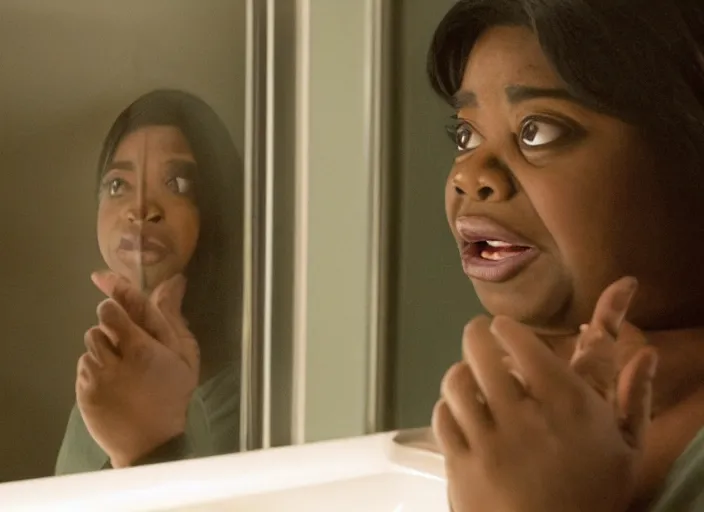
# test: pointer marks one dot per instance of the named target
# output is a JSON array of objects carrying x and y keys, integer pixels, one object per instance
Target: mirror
[{"x": 122, "y": 146}]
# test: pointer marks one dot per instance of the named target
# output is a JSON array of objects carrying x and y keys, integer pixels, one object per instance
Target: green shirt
[
  {"x": 212, "y": 429},
  {"x": 684, "y": 488}
]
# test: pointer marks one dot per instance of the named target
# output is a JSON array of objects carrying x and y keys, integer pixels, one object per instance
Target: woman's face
[
  {"x": 558, "y": 200},
  {"x": 148, "y": 221}
]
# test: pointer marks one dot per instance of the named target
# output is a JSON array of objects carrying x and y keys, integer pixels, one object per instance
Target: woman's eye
[
  {"x": 115, "y": 186},
  {"x": 536, "y": 133},
  {"x": 464, "y": 136},
  {"x": 180, "y": 185}
]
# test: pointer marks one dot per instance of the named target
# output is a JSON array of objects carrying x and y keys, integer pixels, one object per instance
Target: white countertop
[{"x": 361, "y": 474}]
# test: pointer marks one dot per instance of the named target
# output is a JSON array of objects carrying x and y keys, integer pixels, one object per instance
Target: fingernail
[
  {"x": 107, "y": 310},
  {"x": 623, "y": 299}
]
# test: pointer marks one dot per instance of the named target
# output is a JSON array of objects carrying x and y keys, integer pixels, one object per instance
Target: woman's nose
[
  {"x": 145, "y": 211},
  {"x": 490, "y": 181}
]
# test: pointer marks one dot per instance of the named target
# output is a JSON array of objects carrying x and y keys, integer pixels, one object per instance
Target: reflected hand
[
  {"x": 142, "y": 366},
  {"x": 546, "y": 439}
]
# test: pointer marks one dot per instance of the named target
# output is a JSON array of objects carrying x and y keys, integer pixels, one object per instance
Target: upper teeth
[{"x": 497, "y": 243}]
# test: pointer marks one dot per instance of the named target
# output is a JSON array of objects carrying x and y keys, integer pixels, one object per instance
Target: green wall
[{"x": 433, "y": 297}]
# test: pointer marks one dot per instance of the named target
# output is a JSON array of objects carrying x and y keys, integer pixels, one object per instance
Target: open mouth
[
  {"x": 491, "y": 252},
  {"x": 495, "y": 260},
  {"x": 494, "y": 250}
]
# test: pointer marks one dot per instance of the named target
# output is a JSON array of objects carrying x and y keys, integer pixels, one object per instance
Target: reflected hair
[
  {"x": 639, "y": 61},
  {"x": 212, "y": 304}
]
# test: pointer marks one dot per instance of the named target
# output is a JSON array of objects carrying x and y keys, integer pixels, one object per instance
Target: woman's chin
[
  {"x": 541, "y": 304},
  {"x": 147, "y": 278}
]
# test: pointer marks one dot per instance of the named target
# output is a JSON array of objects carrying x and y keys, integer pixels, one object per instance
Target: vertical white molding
[
  {"x": 270, "y": 144},
  {"x": 374, "y": 156},
  {"x": 300, "y": 306},
  {"x": 247, "y": 362},
  {"x": 315, "y": 147}
]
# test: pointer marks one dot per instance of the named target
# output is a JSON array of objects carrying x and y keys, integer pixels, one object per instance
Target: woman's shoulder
[
  {"x": 684, "y": 487},
  {"x": 214, "y": 413},
  {"x": 220, "y": 393}
]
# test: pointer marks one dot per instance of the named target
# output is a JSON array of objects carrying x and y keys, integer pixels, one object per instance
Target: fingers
[
  {"x": 101, "y": 357},
  {"x": 477, "y": 392},
  {"x": 158, "y": 315},
  {"x": 169, "y": 296},
  {"x": 446, "y": 430},
  {"x": 166, "y": 303},
  {"x": 595, "y": 361},
  {"x": 87, "y": 366},
  {"x": 119, "y": 327},
  {"x": 99, "y": 345},
  {"x": 121, "y": 290},
  {"x": 105, "y": 281},
  {"x": 613, "y": 304},
  {"x": 163, "y": 318},
  {"x": 485, "y": 358},
  {"x": 466, "y": 402},
  {"x": 168, "y": 299},
  {"x": 595, "y": 357},
  {"x": 536, "y": 365},
  {"x": 635, "y": 389},
  {"x": 87, "y": 372},
  {"x": 147, "y": 312}
]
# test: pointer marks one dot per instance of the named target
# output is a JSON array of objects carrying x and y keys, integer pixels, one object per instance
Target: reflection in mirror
[
  {"x": 69, "y": 69},
  {"x": 157, "y": 380}
]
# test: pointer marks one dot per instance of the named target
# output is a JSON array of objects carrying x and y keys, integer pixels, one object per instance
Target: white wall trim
[
  {"x": 300, "y": 306},
  {"x": 339, "y": 167}
]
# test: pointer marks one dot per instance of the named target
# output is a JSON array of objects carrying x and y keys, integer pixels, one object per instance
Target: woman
[
  {"x": 579, "y": 127},
  {"x": 170, "y": 203}
]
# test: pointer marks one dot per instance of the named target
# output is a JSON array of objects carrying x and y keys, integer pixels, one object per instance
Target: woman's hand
[
  {"x": 523, "y": 431},
  {"x": 141, "y": 367}
]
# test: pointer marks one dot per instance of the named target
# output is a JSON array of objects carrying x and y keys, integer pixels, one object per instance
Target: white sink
[
  {"x": 384, "y": 492},
  {"x": 380, "y": 473}
]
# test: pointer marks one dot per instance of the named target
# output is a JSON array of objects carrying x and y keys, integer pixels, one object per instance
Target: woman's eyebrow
[
  {"x": 184, "y": 165},
  {"x": 515, "y": 94},
  {"x": 120, "y": 165},
  {"x": 464, "y": 99},
  {"x": 519, "y": 93}
]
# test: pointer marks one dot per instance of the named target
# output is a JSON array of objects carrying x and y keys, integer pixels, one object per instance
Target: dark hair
[
  {"x": 213, "y": 297},
  {"x": 638, "y": 60}
]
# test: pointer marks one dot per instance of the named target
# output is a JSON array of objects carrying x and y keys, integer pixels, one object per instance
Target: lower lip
[
  {"x": 496, "y": 271},
  {"x": 145, "y": 258}
]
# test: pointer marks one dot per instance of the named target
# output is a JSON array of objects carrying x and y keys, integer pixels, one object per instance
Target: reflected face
[
  {"x": 148, "y": 220},
  {"x": 549, "y": 201}
]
